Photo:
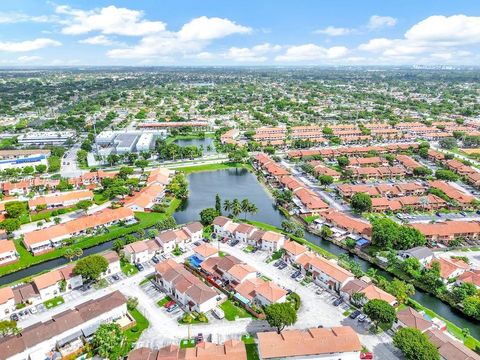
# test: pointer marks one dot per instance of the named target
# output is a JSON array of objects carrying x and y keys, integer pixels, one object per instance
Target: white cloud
[
  {"x": 16, "y": 17},
  {"x": 107, "y": 20},
  {"x": 205, "y": 28},
  {"x": 311, "y": 53},
  {"x": 28, "y": 59},
  {"x": 434, "y": 37},
  {"x": 191, "y": 39},
  {"x": 258, "y": 53},
  {"x": 377, "y": 22},
  {"x": 28, "y": 45},
  {"x": 98, "y": 40},
  {"x": 446, "y": 30},
  {"x": 334, "y": 31}
]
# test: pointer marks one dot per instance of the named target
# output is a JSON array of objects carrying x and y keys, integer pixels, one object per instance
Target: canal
[{"x": 240, "y": 184}]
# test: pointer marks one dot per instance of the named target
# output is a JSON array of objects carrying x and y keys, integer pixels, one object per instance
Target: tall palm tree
[
  {"x": 227, "y": 205},
  {"x": 236, "y": 207},
  {"x": 245, "y": 206},
  {"x": 252, "y": 209},
  {"x": 78, "y": 252}
]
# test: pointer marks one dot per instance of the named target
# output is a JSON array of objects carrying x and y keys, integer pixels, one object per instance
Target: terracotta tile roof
[
  {"x": 449, "y": 266},
  {"x": 6, "y": 293},
  {"x": 194, "y": 227},
  {"x": 452, "y": 192},
  {"x": 412, "y": 318},
  {"x": 346, "y": 222},
  {"x": 267, "y": 289},
  {"x": 448, "y": 228},
  {"x": 240, "y": 271},
  {"x": 449, "y": 348},
  {"x": 48, "y": 279},
  {"x": 221, "y": 221},
  {"x": 315, "y": 341},
  {"x": 205, "y": 250},
  {"x": 294, "y": 248},
  {"x": 136, "y": 247},
  {"x": 146, "y": 196},
  {"x": 471, "y": 277},
  {"x": 327, "y": 267},
  {"x": 61, "y": 198},
  {"x": 7, "y": 246},
  {"x": 111, "y": 256},
  {"x": 372, "y": 292}
]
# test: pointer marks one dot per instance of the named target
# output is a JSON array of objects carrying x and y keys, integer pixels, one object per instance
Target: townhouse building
[
  {"x": 63, "y": 199},
  {"x": 445, "y": 232},
  {"x": 8, "y": 252},
  {"x": 7, "y": 302}
]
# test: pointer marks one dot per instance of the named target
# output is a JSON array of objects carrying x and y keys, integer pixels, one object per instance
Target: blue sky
[{"x": 247, "y": 32}]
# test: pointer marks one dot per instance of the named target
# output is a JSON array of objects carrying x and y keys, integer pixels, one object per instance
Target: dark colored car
[
  {"x": 14, "y": 317},
  {"x": 282, "y": 266},
  {"x": 115, "y": 277},
  {"x": 234, "y": 242},
  {"x": 289, "y": 291},
  {"x": 354, "y": 314},
  {"x": 196, "y": 243},
  {"x": 199, "y": 338},
  {"x": 139, "y": 267},
  {"x": 295, "y": 274},
  {"x": 277, "y": 263},
  {"x": 155, "y": 260},
  {"x": 338, "y": 302}
]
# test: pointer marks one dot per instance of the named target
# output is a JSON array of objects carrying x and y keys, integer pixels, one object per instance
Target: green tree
[
  {"x": 125, "y": 172},
  {"x": 84, "y": 205},
  {"x": 15, "y": 208},
  {"x": 447, "y": 175},
  {"x": 412, "y": 267},
  {"x": 401, "y": 290},
  {"x": 91, "y": 267},
  {"x": 448, "y": 143},
  {"x": 380, "y": 312},
  {"x": 280, "y": 315},
  {"x": 471, "y": 306},
  {"x": 422, "y": 171},
  {"x": 361, "y": 202},
  {"x": 78, "y": 252},
  {"x": 326, "y": 232},
  {"x": 142, "y": 164},
  {"x": 118, "y": 246},
  {"x": 464, "y": 290},
  {"x": 218, "y": 204},
  {"x": 132, "y": 303},
  {"x": 69, "y": 254},
  {"x": 325, "y": 180},
  {"x": 415, "y": 345},
  {"x": 343, "y": 161},
  {"x": 41, "y": 168},
  {"x": 8, "y": 327},
  {"x": 207, "y": 216},
  {"x": 236, "y": 207},
  {"x": 10, "y": 225},
  {"x": 108, "y": 340}
]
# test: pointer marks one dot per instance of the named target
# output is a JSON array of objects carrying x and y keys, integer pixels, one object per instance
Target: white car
[
  {"x": 218, "y": 313},
  {"x": 299, "y": 278},
  {"x": 33, "y": 310}
]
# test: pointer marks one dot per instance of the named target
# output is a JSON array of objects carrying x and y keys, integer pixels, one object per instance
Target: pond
[
  {"x": 240, "y": 183},
  {"x": 207, "y": 144}
]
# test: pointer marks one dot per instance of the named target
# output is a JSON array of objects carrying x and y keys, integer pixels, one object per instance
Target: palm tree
[
  {"x": 227, "y": 205},
  {"x": 69, "y": 254},
  {"x": 245, "y": 205},
  {"x": 252, "y": 209},
  {"x": 236, "y": 207}
]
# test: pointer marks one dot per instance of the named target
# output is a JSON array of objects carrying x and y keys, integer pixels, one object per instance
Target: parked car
[
  {"x": 139, "y": 267},
  {"x": 169, "y": 304},
  {"x": 299, "y": 278},
  {"x": 218, "y": 313},
  {"x": 277, "y": 263},
  {"x": 338, "y": 301},
  {"x": 289, "y": 291},
  {"x": 355, "y": 314},
  {"x": 234, "y": 242},
  {"x": 282, "y": 266},
  {"x": 366, "y": 356},
  {"x": 171, "y": 308},
  {"x": 362, "y": 318},
  {"x": 33, "y": 310},
  {"x": 295, "y": 274},
  {"x": 199, "y": 338},
  {"x": 196, "y": 243},
  {"x": 14, "y": 317},
  {"x": 155, "y": 260},
  {"x": 115, "y": 277},
  {"x": 438, "y": 214},
  {"x": 319, "y": 291}
]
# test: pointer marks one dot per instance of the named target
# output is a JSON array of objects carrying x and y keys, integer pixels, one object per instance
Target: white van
[{"x": 218, "y": 313}]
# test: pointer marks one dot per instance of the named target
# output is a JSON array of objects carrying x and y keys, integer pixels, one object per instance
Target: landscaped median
[
  {"x": 145, "y": 220},
  {"x": 56, "y": 301}
]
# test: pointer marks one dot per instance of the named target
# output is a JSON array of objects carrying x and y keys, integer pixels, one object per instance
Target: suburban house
[
  {"x": 72, "y": 281},
  {"x": 8, "y": 252},
  {"x": 230, "y": 350},
  {"x": 471, "y": 276},
  {"x": 113, "y": 263},
  {"x": 62, "y": 199},
  {"x": 411, "y": 318},
  {"x": 146, "y": 198},
  {"x": 243, "y": 232},
  {"x": 293, "y": 250},
  {"x": 343, "y": 225},
  {"x": 7, "y": 302},
  {"x": 137, "y": 252},
  {"x": 48, "y": 284},
  {"x": 316, "y": 343},
  {"x": 170, "y": 239},
  {"x": 194, "y": 230},
  {"x": 260, "y": 292},
  {"x": 185, "y": 287},
  {"x": 447, "y": 231},
  {"x": 449, "y": 348},
  {"x": 422, "y": 253},
  {"x": 229, "y": 269},
  {"x": 369, "y": 290},
  {"x": 65, "y": 332},
  {"x": 324, "y": 272},
  {"x": 47, "y": 239},
  {"x": 450, "y": 268},
  {"x": 205, "y": 251},
  {"x": 159, "y": 176}
]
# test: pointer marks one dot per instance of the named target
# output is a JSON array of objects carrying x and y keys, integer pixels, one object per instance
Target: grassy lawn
[
  {"x": 222, "y": 254},
  {"x": 212, "y": 167},
  {"x": 232, "y": 312},
  {"x": 99, "y": 199},
  {"x": 127, "y": 268},
  {"x": 56, "y": 301},
  {"x": 310, "y": 219},
  {"x": 165, "y": 300},
  {"x": 145, "y": 220},
  {"x": 251, "y": 347},
  {"x": 47, "y": 214},
  {"x": 248, "y": 249},
  {"x": 133, "y": 334},
  {"x": 147, "y": 279},
  {"x": 171, "y": 139},
  {"x": 187, "y": 343}
]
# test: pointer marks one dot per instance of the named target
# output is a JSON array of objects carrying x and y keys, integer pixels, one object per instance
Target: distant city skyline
[{"x": 262, "y": 32}]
